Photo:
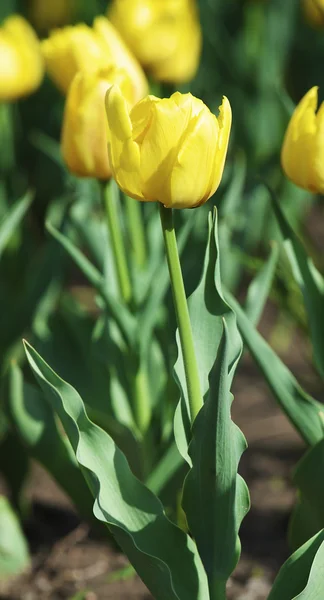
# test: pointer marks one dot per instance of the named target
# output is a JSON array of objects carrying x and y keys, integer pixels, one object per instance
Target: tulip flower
[
  {"x": 84, "y": 133},
  {"x": 72, "y": 49},
  {"x": 21, "y": 61},
  {"x": 314, "y": 12},
  {"x": 171, "y": 150},
  {"x": 302, "y": 155},
  {"x": 165, "y": 35}
]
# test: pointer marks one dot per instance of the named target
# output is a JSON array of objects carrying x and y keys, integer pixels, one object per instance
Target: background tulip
[
  {"x": 314, "y": 12},
  {"x": 164, "y": 35},
  {"x": 21, "y": 62},
  {"x": 302, "y": 155},
  {"x": 84, "y": 134},
  {"x": 71, "y": 49},
  {"x": 171, "y": 150}
]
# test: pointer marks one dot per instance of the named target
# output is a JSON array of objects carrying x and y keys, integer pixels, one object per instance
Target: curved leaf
[
  {"x": 308, "y": 516},
  {"x": 163, "y": 555},
  {"x": 215, "y": 497},
  {"x": 207, "y": 307},
  {"x": 310, "y": 281},
  {"x": 12, "y": 219},
  {"x": 304, "y": 412},
  {"x": 14, "y": 557},
  {"x": 306, "y": 564},
  {"x": 34, "y": 423}
]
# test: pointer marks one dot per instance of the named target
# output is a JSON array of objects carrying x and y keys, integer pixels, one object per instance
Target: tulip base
[{"x": 182, "y": 313}]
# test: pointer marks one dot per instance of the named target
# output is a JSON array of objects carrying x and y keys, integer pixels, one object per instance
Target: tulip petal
[
  {"x": 203, "y": 156},
  {"x": 317, "y": 156},
  {"x": 297, "y": 149},
  {"x": 159, "y": 147},
  {"x": 196, "y": 157},
  {"x": 225, "y": 122},
  {"x": 124, "y": 153}
]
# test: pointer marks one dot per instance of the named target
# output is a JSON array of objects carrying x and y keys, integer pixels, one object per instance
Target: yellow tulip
[
  {"x": 21, "y": 61},
  {"x": 171, "y": 150},
  {"x": 165, "y": 35},
  {"x": 72, "y": 49},
  {"x": 50, "y": 13},
  {"x": 114, "y": 46},
  {"x": 84, "y": 133},
  {"x": 314, "y": 12},
  {"x": 302, "y": 155}
]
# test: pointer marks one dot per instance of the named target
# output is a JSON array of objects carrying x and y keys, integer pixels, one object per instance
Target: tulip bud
[
  {"x": 302, "y": 155},
  {"x": 72, "y": 49},
  {"x": 84, "y": 133},
  {"x": 314, "y": 12},
  {"x": 165, "y": 35},
  {"x": 171, "y": 150},
  {"x": 21, "y": 62}
]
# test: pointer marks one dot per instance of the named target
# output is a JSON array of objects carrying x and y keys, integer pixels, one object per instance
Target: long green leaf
[
  {"x": 12, "y": 219},
  {"x": 304, "y": 412},
  {"x": 308, "y": 515},
  {"x": 14, "y": 557},
  {"x": 215, "y": 497},
  {"x": 163, "y": 555},
  {"x": 302, "y": 566},
  {"x": 34, "y": 423},
  {"x": 119, "y": 312},
  {"x": 207, "y": 307},
  {"x": 310, "y": 281},
  {"x": 259, "y": 288}
]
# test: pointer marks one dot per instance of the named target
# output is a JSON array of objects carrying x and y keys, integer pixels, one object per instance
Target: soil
[{"x": 67, "y": 557}]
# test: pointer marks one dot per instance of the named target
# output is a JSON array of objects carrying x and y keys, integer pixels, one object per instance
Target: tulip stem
[
  {"x": 182, "y": 313},
  {"x": 110, "y": 200},
  {"x": 136, "y": 230}
]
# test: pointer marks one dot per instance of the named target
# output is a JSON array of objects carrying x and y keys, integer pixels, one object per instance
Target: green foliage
[
  {"x": 14, "y": 556},
  {"x": 302, "y": 574},
  {"x": 159, "y": 551}
]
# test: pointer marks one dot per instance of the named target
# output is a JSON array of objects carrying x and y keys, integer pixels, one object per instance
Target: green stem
[
  {"x": 136, "y": 230},
  {"x": 142, "y": 399},
  {"x": 110, "y": 200},
  {"x": 182, "y": 313},
  {"x": 217, "y": 590}
]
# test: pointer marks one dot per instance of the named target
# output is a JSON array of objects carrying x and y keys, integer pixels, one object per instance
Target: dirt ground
[{"x": 67, "y": 557}]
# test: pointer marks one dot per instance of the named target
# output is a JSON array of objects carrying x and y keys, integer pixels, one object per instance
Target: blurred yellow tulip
[
  {"x": 165, "y": 35},
  {"x": 171, "y": 150},
  {"x": 84, "y": 133},
  {"x": 50, "y": 13},
  {"x": 302, "y": 155},
  {"x": 72, "y": 49},
  {"x": 314, "y": 12},
  {"x": 21, "y": 61}
]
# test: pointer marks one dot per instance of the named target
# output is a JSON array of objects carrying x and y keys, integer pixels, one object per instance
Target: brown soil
[{"x": 66, "y": 557}]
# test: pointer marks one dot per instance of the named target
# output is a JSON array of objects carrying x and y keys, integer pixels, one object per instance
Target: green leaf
[
  {"x": 118, "y": 310},
  {"x": 315, "y": 586},
  {"x": 259, "y": 288},
  {"x": 215, "y": 497},
  {"x": 12, "y": 219},
  {"x": 34, "y": 423},
  {"x": 304, "y": 412},
  {"x": 168, "y": 465},
  {"x": 310, "y": 281},
  {"x": 207, "y": 308},
  {"x": 308, "y": 516},
  {"x": 14, "y": 557},
  {"x": 301, "y": 573},
  {"x": 163, "y": 555}
]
